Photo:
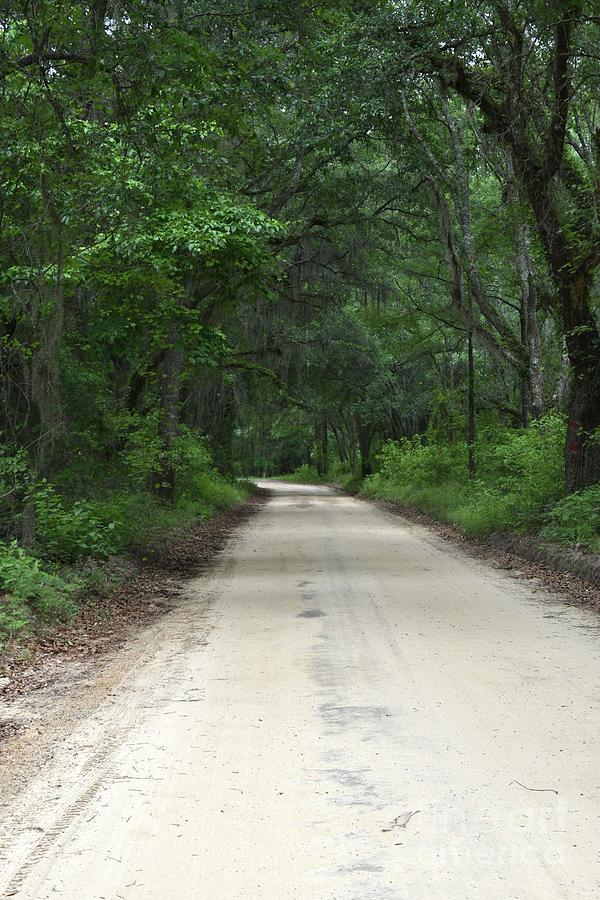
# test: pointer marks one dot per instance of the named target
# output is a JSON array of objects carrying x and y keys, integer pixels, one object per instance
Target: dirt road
[{"x": 346, "y": 707}]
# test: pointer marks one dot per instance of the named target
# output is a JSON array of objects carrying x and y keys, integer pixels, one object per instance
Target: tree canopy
[{"x": 292, "y": 232}]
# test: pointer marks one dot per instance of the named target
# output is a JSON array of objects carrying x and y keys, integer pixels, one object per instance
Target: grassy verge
[
  {"x": 48, "y": 583},
  {"x": 518, "y": 487},
  {"x": 305, "y": 474}
]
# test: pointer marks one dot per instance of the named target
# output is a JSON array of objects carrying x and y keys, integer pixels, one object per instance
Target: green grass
[
  {"x": 518, "y": 488},
  {"x": 141, "y": 521}
]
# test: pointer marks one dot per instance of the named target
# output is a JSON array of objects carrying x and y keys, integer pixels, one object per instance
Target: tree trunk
[
  {"x": 582, "y": 456},
  {"x": 28, "y": 526},
  {"x": 324, "y": 446},
  {"x": 532, "y": 391},
  {"x": 340, "y": 447},
  {"x": 471, "y": 425},
  {"x": 523, "y": 271},
  {"x": 45, "y": 361},
  {"x": 364, "y": 443},
  {"x": 318, "y": 455},
  {"x": 536, "y": 380},
  {"x": 561, "y": 391},
  {"x": 168, "y": 422}
]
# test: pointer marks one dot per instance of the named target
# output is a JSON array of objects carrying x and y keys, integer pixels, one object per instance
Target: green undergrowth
[
  {"x": 31, "y": 592},
  {"x": 518, "y": 486},
  {"x": 74, "y": 536},
  {"x": 576, "y": 520},
  {"x": 337, "y": 475},
  {"x": 304, "y": 474}
]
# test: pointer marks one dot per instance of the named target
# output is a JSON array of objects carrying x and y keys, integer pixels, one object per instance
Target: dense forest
[{"x": 347, "y": 241}]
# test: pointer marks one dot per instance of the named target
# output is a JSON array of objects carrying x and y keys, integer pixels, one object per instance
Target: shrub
[
  {"x": 576, "y": 519},
  {"x": 14, "y": 475},
  {"x": 304, "y": 474},
  {"x": 29, "y": 589},
  {"x": 69, "y": 533},
  {"x": 413, "y": 461},
  {"x": 127, "y": 518},
  {"x": 519, "y": 477}
]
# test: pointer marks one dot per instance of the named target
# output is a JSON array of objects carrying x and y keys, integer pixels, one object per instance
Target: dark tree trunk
[
  {"x": 340, "y": 447},
  {"x": 523, "y": 321},
  {"x": 324, "y": 446},
  {"x": 319, "y": 458},
  {"x": 364, "y": 444},
  {"x": 168, "y": 425},
  {"x": 582, "y": 457}
]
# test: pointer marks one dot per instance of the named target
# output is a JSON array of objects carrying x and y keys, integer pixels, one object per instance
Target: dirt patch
[
  {"x": 104, "y": 622},
  {"x": 571, "y": 573}
]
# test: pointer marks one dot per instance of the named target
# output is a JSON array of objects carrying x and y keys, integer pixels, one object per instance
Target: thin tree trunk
[
  {"x": 324, "y": 446},
  {"x": 562, "y": 387},
  {"x": 318, "y": 449},
  {"x": 536, "y": 380},
  {"x": 364, "y": 443},
  {"x": 471, "y": 425},
  {"x": 532, "y": 391},
  {"x": 168, "y": 423},
  {"x": 340, "y": 447}
]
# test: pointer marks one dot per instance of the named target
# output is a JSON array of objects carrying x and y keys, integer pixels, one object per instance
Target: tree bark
[
  {"x": 364, "y": 444},
  {"x": 532, "y": 390},
  {"x": 566, "y": 229},
  {"x": 536, "y": 378},
  {"x": 471, "y": 424},
  {"x": 582, "y": 458},
  {"x": 324, "y": 446},
  {"x": 168, "y": 421},
  {"x": 340, "y": 447},
  {"x": 318, "y": 454}
]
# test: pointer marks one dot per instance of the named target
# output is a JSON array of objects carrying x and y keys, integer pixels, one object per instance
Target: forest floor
[{"x": 344, "y": 705}]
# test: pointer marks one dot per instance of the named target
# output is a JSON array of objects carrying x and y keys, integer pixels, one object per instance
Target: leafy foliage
[
  {"x": 311, "y": 240},
  {"x": 519, "y": 478},
  {"x": 576, "y": 520},
  {"x": 28, "y": 590}
]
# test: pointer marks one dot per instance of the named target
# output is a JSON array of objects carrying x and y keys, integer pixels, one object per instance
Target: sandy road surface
[{"x": 343, "y": 709}]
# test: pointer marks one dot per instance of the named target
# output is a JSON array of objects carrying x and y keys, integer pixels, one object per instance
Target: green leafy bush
[
  {"x": 14, "y": 474},
  {"x": 414, "y": 461},
  {"x": 121, "y": 519},
  {"x": 304, "y": 474},
  {"x": 69, "y": 533},
  {"x": 28, "y": 590},
  {"x": 576, "y": 519},
  {"x": 141, "y": 455},
  {"x": 519, "y": 477},
  {"x": 132, "y": 517}
]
